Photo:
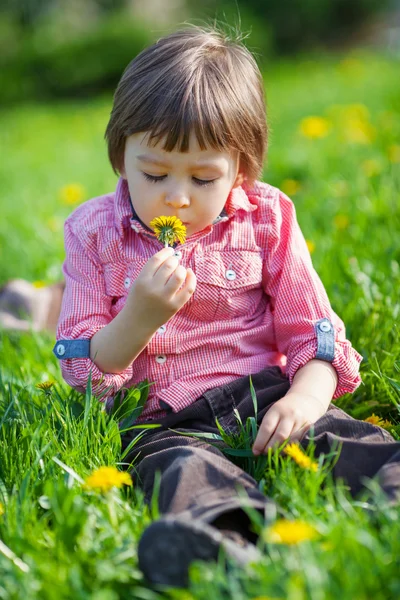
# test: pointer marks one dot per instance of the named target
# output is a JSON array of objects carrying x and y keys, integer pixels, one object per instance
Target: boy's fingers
[
  {"x": 281, "y": 433},
  {"x": 189, "y": 285},
  {"x": 265, "y": 432}
]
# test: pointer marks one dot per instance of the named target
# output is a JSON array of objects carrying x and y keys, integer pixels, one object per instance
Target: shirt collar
[{"x": 125, "y": 215}]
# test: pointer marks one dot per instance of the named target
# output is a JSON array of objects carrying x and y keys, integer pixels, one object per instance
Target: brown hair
[{"x": 196, "y": 79}]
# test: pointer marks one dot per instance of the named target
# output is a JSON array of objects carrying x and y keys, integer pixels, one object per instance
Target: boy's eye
[{"x": 155, "y": 178}]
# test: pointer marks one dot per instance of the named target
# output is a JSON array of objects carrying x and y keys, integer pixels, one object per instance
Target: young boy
[{"x": 188, "y": 136}]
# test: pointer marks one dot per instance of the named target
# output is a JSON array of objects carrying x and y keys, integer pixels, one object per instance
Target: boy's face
[{"x": 192, "y": 186}]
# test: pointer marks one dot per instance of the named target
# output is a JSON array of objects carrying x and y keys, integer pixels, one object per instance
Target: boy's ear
[{"x": 240, "y": 178}]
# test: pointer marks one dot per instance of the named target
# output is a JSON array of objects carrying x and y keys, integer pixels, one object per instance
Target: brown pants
[{"x": 197, "y": 481}]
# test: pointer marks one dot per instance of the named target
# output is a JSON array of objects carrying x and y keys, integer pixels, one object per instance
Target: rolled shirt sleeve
[
  {"x": 300, "y": 303},
  {"x": 85, "y": 310}
]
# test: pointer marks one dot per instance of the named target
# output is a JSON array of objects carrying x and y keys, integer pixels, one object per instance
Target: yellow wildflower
[
  {"x": 341, "y": 221},
  {"x": 72, "y": 193},
  {"x": 310, "y": 246},
  {"x": 290, "y": 186},
  {"x": 106, "y": 478},
  {"x": 169, "y": 230},
  {"x": 394, "y": 153},
  {"x": 375, "y": 420},
  {"x": 294, "y": 451},
  {"x": 358, "y": 131},
  {"x": 45, "y": 386},
  {"x": 371, "y": 167},
  {"x": 2, "y": 509},
  {"x": 315, "y": 127},
  {"x": 284, "y": 531},
  {"x": 39, "y": 283}
]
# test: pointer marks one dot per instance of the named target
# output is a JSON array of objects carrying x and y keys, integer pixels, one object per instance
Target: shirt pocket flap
[
  {"x": 119, "y": 277},
  {"x": 230, "y": 269}
]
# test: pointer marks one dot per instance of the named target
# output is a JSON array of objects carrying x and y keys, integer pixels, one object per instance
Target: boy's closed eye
[{"x": 196, "y": 180}]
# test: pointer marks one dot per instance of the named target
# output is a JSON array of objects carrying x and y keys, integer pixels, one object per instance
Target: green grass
[{"x": 58, "y": 540}]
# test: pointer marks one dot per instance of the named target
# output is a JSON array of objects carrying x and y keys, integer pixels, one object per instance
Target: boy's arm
[
  {"x": 317, "y": 379},
  {"x": 305, "y": 325},
  {"x": 306, "y": 401},
  {"x": 86, "y": 310}
]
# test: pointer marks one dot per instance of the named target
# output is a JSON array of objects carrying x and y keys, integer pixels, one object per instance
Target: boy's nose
[{"x": 177, "y": 199}]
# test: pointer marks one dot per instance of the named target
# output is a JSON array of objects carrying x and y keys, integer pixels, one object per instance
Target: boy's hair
[{"x": 196, "y": 79}]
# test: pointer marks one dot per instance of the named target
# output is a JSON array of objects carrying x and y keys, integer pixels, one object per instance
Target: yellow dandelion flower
[
  {"x": 45, "y": 386},
  {"x": 371, "y": 167},
  {"x": 356, "y": 111},
  {"x": 315, "y": 127},
  {"x": 105, "y": 478},
  {"x": 290, "y": 187},
  {"x": 39, "y": 283},
  {"x": 394, "y": 153},
  {"x": 294, "y": 451},
  {"x": 310, "y": 246},
  {"x": 341, "y": 221},
  {"x": 73, "y": 193},
  {"x": 169, "y": 230},
  {"x": 358, "y": 131},
  {"x": 284, "y": 531},
  {"x": 2, "y": 509},
  {"x": 375, "y": 420}
]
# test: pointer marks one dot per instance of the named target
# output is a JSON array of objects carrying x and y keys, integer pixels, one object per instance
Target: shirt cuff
[
  {"x": 340, "y": 353},
  {"x": 76, "y": 366}
]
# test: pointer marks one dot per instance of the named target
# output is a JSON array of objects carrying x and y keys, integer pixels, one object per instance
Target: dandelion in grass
[
  {"x": 105, "y": 478},
  {"x": 375, "y": 420},
  {"x": 288, "y": 532},
  {"x": 39, "y": 283},
  {"x": 169, "y": 230},
  {"x": 45, "y": 386},
  {"x": 290, "y": 186},
  {"x": 72, "y": 194},
  {"x": 315, "y": 127},
  {"x": 341, "y": 221},
  {"x": 294, "y": 451}
]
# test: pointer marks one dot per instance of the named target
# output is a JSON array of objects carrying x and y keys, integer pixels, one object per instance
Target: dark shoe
[{"x": 168, "y": 546}]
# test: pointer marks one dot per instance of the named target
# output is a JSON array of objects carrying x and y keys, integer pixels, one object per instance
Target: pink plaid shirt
[{"x": 258, "y": 301}]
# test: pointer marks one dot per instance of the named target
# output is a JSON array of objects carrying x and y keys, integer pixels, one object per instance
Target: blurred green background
[{"x": 331, "y": 70}]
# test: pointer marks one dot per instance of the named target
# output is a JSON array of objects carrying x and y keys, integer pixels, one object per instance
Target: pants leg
[
  {"x": 196, "y": 479},
  {"x": 366, "y": 451}
]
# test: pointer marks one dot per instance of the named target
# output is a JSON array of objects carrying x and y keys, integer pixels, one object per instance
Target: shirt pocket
[
  {"x": 119, "y": 278},
  {"x": 229, "y": 284}
]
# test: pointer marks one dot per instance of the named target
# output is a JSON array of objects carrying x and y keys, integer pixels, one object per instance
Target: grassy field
[{"x": 335, "y": 149}]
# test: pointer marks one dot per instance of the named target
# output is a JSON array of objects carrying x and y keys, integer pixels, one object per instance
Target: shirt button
[
  {"x": 161, "y": 358},
  {"x": 178, "y": 254},
  {"x": 162, "y": 329},
  {"x": 230, "y": 274},
  {"x": 325, "y": 326},
  {"x": 127, "y": 282},
  {"x": 60, "y": 349},
  {"x": 134, "y": 227}
]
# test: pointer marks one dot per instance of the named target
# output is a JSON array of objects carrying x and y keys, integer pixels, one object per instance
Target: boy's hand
[
  {"x": 289, "y": 417},
  {"x": 155, "y": 295}
]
